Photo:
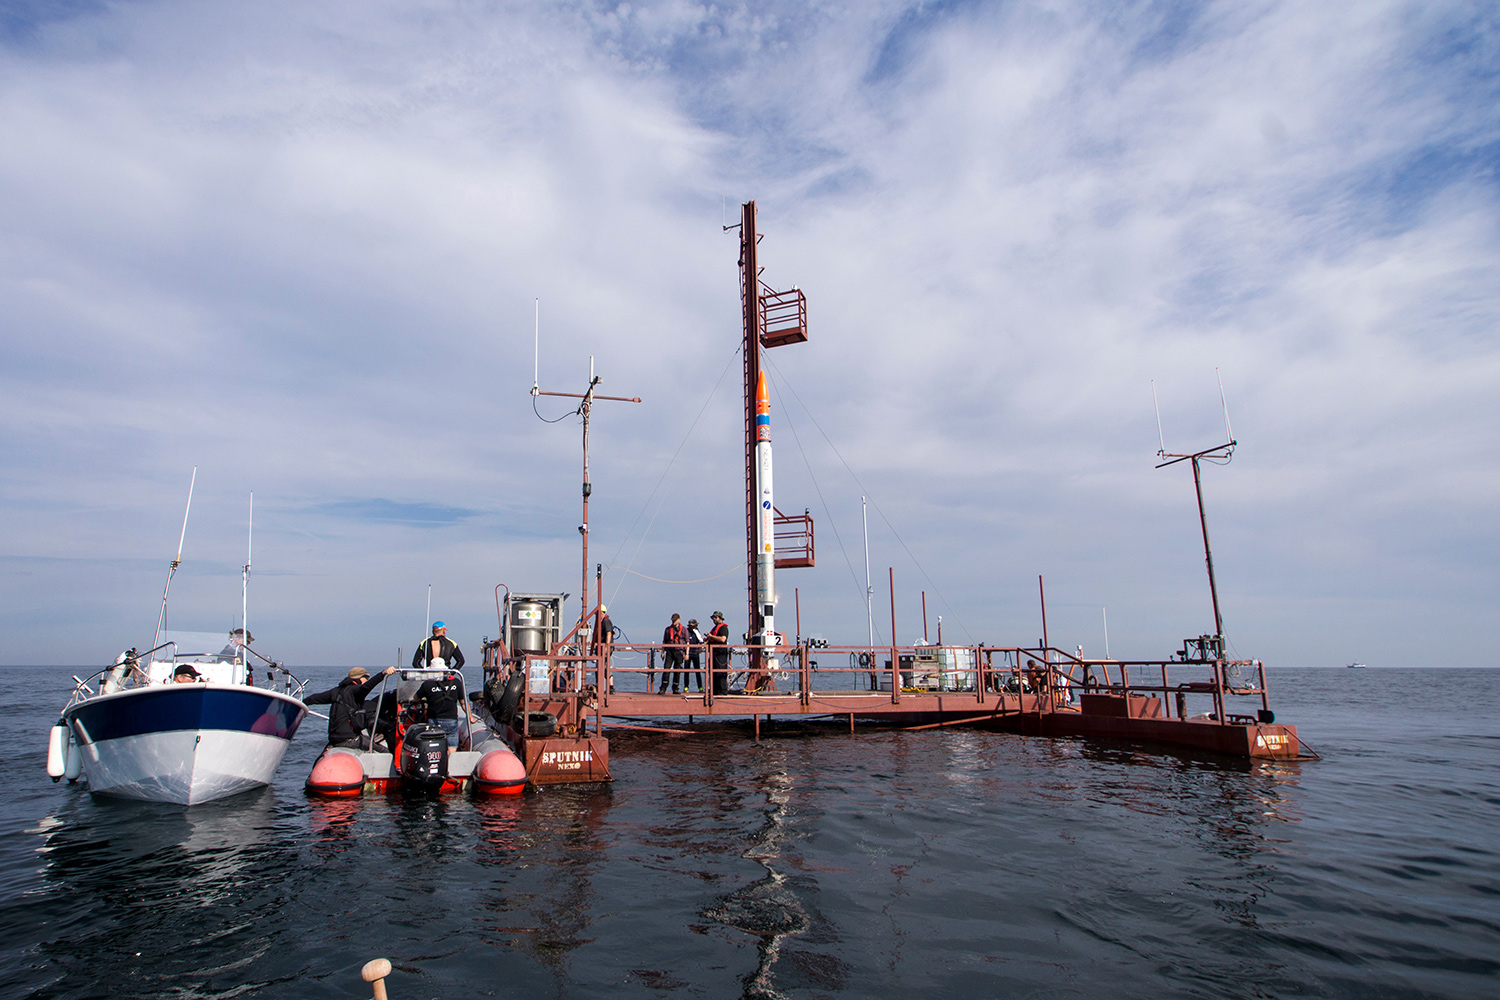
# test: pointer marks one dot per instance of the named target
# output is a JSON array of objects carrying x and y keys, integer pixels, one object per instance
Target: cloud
[{"x": 299, "y": 246}]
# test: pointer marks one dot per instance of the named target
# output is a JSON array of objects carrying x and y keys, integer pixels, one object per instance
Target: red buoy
[
  {"x": 337, "y": 773},
  {"x": 500, "y": 772}
]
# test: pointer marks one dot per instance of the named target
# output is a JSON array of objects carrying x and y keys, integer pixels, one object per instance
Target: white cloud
[{"x": 298, "y": 246}]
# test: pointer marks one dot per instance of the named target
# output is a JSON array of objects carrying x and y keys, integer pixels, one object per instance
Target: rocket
[{"x": 765, "y": 535}]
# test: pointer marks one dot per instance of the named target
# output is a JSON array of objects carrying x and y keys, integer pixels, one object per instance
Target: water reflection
[
  {"x": 767, "y": 908},
  {"x": 150, "y": 899}
]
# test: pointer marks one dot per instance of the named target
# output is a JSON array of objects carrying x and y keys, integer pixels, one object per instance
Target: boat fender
[
  {"x": 500, "y": 772},
  {"x": 337, "y": 773},
  {"x": 511, "y": 698},
  {"x": 75, "y": 761},
  {"x": 57, "y": 750},
  {"x": 540, "y": 725}
]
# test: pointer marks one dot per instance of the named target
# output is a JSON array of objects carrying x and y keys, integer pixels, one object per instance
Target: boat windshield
[{"x": 202, "y": 647}]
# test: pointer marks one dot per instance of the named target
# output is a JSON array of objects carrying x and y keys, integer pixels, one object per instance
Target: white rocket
[{"x": 765, "y": 534}]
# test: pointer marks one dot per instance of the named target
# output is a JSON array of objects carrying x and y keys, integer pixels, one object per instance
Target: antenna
[
  {"x": 161, "y": 619},
  {"x": 1219, "y": 455},
  {"x": 1228, "y": 431},
  {"x": 428, "y": 627},
  {"x": 585, "y": 408},
  {"x": 536, "y": 349},
  {"x": 1160, "y": 437},
  {"x": 245, "y": 577}
]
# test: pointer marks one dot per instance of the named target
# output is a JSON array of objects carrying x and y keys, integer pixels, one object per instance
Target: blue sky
[{"x": 298, "y": 246}]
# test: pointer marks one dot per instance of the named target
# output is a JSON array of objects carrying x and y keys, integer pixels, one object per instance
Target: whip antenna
[
  {"x": 1228, "y": 431},
  {"x": 245, "y": 577},
  {"x": 536, "y": 349},
  {"x": 1161, "y": 438},
  {"x": 161, "y": 619}
]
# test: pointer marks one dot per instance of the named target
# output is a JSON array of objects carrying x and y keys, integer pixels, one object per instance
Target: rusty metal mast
[
  {"x": 771, "y": 319},
  {"x": 750, "y": 305}
]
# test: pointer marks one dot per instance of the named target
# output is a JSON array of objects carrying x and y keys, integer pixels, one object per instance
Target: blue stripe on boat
[{"x": 173, "y": 708}]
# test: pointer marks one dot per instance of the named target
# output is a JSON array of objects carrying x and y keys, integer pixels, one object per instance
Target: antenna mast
[
  {"x": 245, "y": 577},
  {"x": 1220, "y": 455},
  {"x": 585, "y": 409},
  {"x": 161, "y": 619}
]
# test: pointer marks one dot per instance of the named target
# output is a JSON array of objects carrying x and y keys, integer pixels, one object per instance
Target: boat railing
[{"x": 278, "y": 677}]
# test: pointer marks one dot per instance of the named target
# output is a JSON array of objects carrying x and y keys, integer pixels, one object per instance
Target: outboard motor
[{"x": 424, "y": 755}]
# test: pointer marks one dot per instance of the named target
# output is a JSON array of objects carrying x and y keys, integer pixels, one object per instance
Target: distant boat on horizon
[{"x": 1355, "y": 666}]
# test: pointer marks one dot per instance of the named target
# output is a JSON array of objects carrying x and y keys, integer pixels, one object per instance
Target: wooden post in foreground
[{"x": 374, "y": 973}]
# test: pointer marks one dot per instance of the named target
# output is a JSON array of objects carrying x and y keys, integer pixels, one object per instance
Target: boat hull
[{"x": 183, "y": 744}]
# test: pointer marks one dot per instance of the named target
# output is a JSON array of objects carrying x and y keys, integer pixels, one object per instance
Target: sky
[{"x": 319, "y": 251}]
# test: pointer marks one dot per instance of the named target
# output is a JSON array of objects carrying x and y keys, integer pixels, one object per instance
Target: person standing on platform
[
  {"x": 438, "y": 644},
  {"x": 718, "y": 658},
  {"x": 603, "y": 639},
  {"x": 694, "y": 660},
  {"x": 673, "y": 639}
]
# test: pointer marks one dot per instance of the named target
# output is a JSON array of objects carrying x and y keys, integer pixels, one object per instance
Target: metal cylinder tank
[{"x": 529, "y": 626}]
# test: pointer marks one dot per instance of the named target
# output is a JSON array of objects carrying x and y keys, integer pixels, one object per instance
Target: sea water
[{"x": 813, "y": 863}]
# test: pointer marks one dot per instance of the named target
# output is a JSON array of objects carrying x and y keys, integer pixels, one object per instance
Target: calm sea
[{"x": 810, "y": 864}]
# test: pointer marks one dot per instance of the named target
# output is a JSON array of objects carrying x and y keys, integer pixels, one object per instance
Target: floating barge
[{"x": 579, "y": 683}]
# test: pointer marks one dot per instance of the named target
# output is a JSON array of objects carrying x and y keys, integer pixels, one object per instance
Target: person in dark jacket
[
  {"x": 438, "y": 644},
  {"x": 718, "y": 643},
  {"x": 346, "y": 705},
  {"x": 674, "y": 645}
]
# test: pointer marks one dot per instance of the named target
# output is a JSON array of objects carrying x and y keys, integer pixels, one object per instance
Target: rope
[{"x": 655, "y": 579}]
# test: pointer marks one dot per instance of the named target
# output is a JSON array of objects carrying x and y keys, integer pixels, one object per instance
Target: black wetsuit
[
  {"x": 447, "y": 649},
  {"x": 346, "y": 712}
]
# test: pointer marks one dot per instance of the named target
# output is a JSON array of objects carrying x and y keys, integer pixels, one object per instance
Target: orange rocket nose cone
[{"x": 762, "y": 395}]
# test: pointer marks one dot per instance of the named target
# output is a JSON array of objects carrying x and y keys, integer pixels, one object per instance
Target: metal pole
[
  {"x": 895, "y": 653},
  {"x": 1041, "y": 589},
  {"x": 584, "y": 407},
  {"x": 1213, "y": 588},
  {"x": 864, "y": 513},
  {"x": 750, "y": 348}
]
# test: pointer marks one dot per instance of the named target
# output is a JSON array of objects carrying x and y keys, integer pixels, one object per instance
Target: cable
[
  {"x": 655, "y": 579},
  {"x": 867, "y": 493},
  {"x": 571, "y": 413},
  {"x": 787, "y": 412},
  {"x": 712, "y": 392}
]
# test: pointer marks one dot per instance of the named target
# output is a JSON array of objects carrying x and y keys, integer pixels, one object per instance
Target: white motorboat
[
  {"x": 134, "y": 732},
  {"x": 184, "y": 721}
]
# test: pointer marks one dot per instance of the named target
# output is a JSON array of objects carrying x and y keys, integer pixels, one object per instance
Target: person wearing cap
[
  {"x": 718, "y": 642},
  {"x": 436, "y": 645},
  {"x": 185, "y": 674},
  {"x": 346, "y": 705},
  {"x": 673, "y": 638},
  {"x": 694, "y": 657}
]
